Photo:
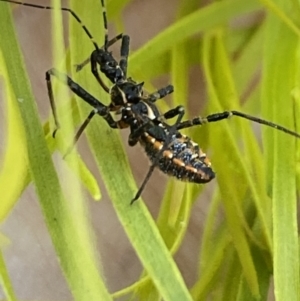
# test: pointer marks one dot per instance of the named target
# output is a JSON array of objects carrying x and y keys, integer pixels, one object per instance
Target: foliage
[{"x": 257, "y": 239}]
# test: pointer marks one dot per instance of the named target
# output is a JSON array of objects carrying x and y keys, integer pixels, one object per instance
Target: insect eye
[{"x": 111, "y": 64}]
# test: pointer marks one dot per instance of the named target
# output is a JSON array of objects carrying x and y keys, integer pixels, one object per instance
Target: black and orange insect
[{"x": 167, "y": 148}]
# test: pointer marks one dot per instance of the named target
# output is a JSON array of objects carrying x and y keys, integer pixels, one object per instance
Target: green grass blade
[
  {"x": 246, "y": 67},
  {"x": 80, "y": 169},
  {"x": 238, "y": 253},
  {"x": 5, "y": 281},
  {"x": 69, "y": 234},
  {"x": 202, "y": 19},
  {"x": 279, "y": 78},
  {"x": 221, "y": 89},
  {"x": 114, "y": 169},
  {"x": 14, "y": 166},
  {"x": 282, "y": 16},
  {"x": 136, "y": 220},
  {"x": 264, "y": 274}
]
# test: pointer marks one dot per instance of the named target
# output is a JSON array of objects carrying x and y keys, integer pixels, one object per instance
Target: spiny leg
[
  {"x": 52, "y": 103},
  {"x": 124, "y": 54},
  {"x": 100, "y": 108},
  {"x": 227, "y": 114},
  {"x": 80, "y": 131},
  {"x": 139, "y": 192},
  {"x": 77, "y": 89},
  {"x": 180, "y": 112},
  {"x": 160, "y": 93},
  {"x": 108, "y": 119},
  {"x": 108, "y": 64},
  {"x": 100, "y": 55},
  {"x": 121, "y": 124},
  {"x": 174, "y": 112},
  {"x": 95, "y": 71},
  {"x": 136, "y": 134}
]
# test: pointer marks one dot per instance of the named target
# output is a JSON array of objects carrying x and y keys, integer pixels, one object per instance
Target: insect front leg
[
  {"x": 95, "y": 72},
  {"x": 52, "y": 103},
  {"x": 87, "y": 60},
  {"x": 99, "y": 108},
  {"x": 107, "y": 117},
  {"x": 124, "y": 54}
]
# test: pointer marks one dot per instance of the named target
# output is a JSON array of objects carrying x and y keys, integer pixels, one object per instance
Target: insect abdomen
[{"x": 182, "y": 159}]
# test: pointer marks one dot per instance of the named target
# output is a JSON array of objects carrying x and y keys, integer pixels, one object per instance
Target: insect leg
[
  {"x": 136, "y": 134},
  {"x": 86, "y": 61},
  {"x": 153, "y": 97},
  {"x": 227, "y": 114},
  {"x": 80, "y": 130},
  {"x": 180, "y": 112},
  {"x": 107, "y": 117},
  {"x": 100, "y": 108},
  {"x": 174, "y": 112},
  {"x": 95, "y": 72},
  {"x": 124, "y": 54},
  {"x": 52, "y": 103}
]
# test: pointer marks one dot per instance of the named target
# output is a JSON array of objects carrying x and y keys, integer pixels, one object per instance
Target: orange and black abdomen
[{"x": 182, "y": 158}]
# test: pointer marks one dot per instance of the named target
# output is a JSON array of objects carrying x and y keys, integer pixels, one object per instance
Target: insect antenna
[
  {"x": 107, "y": 42},
  {"x": 73, "y": 14},
  {"x": 105, "y": 25}
]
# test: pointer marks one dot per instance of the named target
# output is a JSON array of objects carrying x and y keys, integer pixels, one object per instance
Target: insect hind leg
[{"x": 178, "y": 111}]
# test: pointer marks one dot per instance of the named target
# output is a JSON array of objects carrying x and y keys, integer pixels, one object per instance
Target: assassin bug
[
  {"x": 168, "y": 149},
  {"x": 114, "y": 71}
]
